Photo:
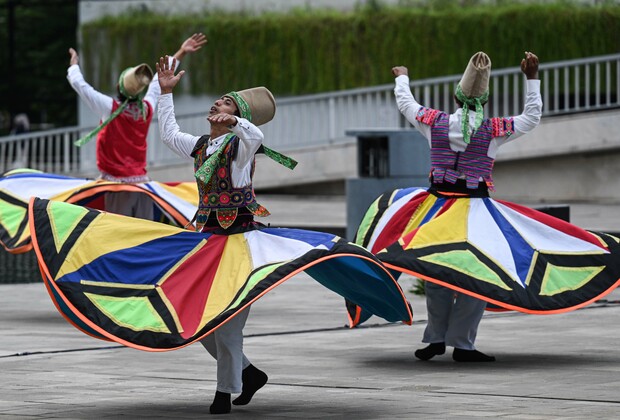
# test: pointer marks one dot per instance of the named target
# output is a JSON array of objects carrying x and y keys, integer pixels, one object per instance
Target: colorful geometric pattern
[
  {"x": 506, "y": 254},
  {"x": 157, "y": 287},
  {"x": 173, "y": 203}
]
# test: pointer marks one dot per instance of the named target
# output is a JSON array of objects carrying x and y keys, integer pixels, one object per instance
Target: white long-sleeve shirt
[
  {"x": 100, "y": 103},
  {"x": 523, "y": 123},
  {"x": 250, "y": 136}
]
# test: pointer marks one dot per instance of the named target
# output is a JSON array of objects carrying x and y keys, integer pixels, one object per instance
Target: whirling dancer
[
  {"x": 470, "y": 248},
  {"x": 155, "y": 287}
]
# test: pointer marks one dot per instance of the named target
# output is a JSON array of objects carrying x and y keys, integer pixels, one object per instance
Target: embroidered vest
[
  {"x": 448, "y": 165},
  {"x": 217, "y": 192}
]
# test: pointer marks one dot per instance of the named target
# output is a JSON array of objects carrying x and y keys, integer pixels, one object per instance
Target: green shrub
[{"x": 314, "y": 51}]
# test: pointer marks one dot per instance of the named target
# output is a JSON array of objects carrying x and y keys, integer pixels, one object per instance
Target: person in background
[
  {"x": 125, "y": 120},
  {"x": 21, "y": 124}
]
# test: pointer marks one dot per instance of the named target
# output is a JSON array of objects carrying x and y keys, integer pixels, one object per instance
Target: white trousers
[
  {"x": 226, "y": 346},
  {"x": 130, "y": 204},
  {"x": 453, "y": 317}
]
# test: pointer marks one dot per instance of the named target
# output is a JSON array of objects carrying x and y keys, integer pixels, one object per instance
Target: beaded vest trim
[
  {"x": 215, "y": 190},
  {"x": 503, "y": 126}
]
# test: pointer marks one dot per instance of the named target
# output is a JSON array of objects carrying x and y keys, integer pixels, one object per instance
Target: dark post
[
  {"x": 386, "y": 159},
  {"x": 11, "y": 58}
]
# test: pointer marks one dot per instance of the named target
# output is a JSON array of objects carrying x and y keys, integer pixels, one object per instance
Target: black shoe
[
  {"x": 221, "y": 403},
  {"x": 430, "y": 351},
  {"x": 253, "y": 380},
  {"x": 460, "y": 355}
]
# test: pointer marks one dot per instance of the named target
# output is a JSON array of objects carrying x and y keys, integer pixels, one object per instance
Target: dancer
[
  {"x": 470, "y": 248},
  {"x": 156, "y": 287},
  {"x": 462, "y": 158},
  {"x": 125, "y": 121},
  {"x": 227, "y": 205}
]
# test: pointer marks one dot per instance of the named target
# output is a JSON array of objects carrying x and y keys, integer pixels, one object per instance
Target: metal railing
[{"x": 570, "y": 86}]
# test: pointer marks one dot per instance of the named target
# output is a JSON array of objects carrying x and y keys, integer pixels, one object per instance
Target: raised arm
[
  {"x": 407, "y": 104},
  {"x": 96, "y": 101},
  {"x": 532, "y": 110},
  {"x": 189, "y": 46},
  {"x": 170, "y": 132}
]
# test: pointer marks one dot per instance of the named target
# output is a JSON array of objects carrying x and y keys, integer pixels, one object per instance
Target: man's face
[{"x": 224, "y": 105}]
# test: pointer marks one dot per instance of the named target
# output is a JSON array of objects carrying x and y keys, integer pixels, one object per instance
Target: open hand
[
  {"x": 194, "y": 43},
  {"x": 166, "y": 76}
]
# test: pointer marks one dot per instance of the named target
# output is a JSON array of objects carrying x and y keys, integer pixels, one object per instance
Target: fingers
[
  {"x": 74, "y": 58},
  {"x": 400, "y": 70},
  {"x": 164, "y": 64},
  {"x": 225, "y": 119},
  {"x": 199, "y": 38},
  {"x": 531, "y": 57},
  {"x": 161, "y": 66}
]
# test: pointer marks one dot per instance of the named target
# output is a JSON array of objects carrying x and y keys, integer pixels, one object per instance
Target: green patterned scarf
[
  {"x": 206, "y": 170},
  {"x": 478, "y": 103}
]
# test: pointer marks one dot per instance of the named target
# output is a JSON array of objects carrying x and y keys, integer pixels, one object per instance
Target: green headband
[
  {"x": 477, "y": 102},
  {"x": 244, "y": 107}
]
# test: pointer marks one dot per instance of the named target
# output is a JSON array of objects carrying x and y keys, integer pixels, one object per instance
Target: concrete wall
[
  {"x": 573, "y": 158},
  {"x": 316, "y": 165},
  {"x": 567, "y": 158}
]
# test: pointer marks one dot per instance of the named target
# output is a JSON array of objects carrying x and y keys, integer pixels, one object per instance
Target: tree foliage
[{"x": 35, "y": 59}]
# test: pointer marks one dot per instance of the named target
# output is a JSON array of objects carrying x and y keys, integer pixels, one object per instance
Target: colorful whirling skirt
[
  {"x": 157, "y": 287},
  {"x": 173, "y": 203},
  {"x": 509, "y": 255}
]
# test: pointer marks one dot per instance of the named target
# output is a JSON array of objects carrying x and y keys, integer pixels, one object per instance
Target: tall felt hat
[
  {"x": 134, "y": 80},
  {"x": 473, "y": 91},
  {"x": 256, "y": 104},
  {"x": 475, "y": 80}
]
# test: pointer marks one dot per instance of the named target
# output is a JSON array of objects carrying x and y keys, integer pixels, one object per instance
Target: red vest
[{"x": 121, "y": 145}]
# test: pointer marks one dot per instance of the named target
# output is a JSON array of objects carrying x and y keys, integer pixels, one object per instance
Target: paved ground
[{"x": 549, "y": 367}]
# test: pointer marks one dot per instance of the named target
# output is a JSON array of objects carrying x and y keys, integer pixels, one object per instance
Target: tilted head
[{"x": 133, "y": 81}]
